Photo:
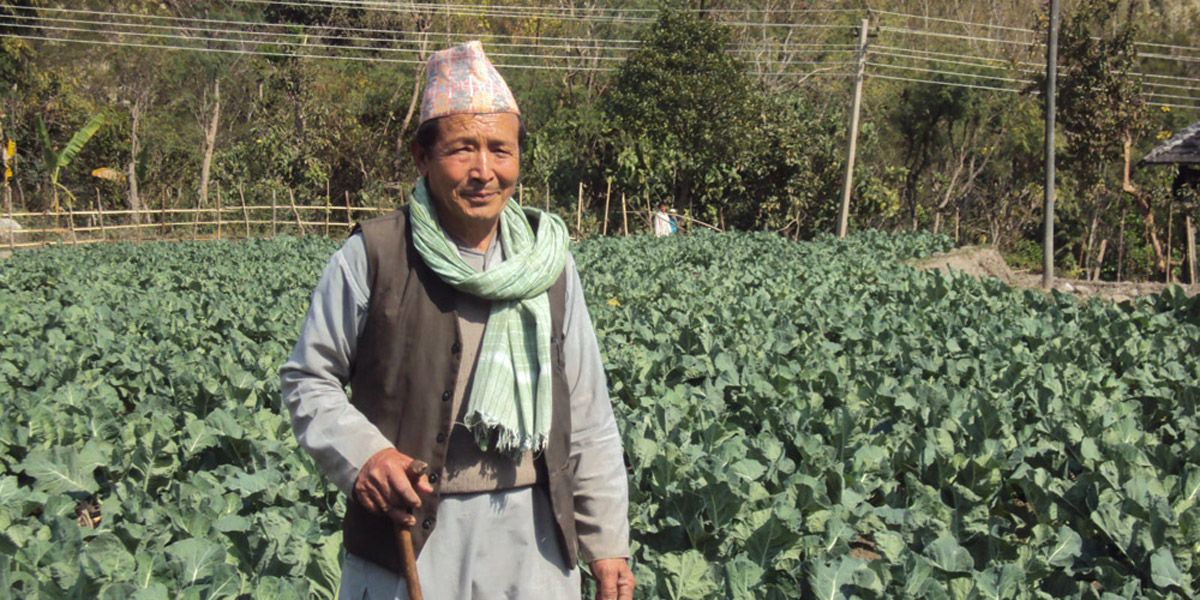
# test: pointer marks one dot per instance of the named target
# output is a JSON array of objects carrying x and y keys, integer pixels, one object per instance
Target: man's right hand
[{"x": 386, "y": 486}]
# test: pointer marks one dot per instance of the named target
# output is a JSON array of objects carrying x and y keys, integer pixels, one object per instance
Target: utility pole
[
  {"x": 1051, "y": 83},
  {"x": 852, "y": 141}
]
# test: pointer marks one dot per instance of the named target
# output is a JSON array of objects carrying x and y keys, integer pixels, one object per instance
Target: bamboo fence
[
  {"x": 227, "y": 221},
  {"x": 239, "y": 221}
]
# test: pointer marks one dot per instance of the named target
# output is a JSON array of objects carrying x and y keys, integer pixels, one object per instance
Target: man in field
[
  {"x": 662, "y": 222},
  {"x": 459, "y": 323}
]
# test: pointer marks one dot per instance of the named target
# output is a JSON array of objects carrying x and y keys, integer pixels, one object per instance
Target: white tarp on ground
[{"x": 7, "y": 227}]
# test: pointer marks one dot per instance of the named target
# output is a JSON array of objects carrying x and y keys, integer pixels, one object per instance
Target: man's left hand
[{"x": 614, "y": 580}]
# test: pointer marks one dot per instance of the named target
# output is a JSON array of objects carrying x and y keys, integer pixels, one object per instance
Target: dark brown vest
[{"x": 403, "y": 381}]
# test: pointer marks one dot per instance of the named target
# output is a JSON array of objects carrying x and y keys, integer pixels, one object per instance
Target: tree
[
  {"x": 679, "y": 107},
  {"x": 1100, "y": 111}
]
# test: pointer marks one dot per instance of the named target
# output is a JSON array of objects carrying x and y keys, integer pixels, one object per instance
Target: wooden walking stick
[{"x": 404, "y": 537}]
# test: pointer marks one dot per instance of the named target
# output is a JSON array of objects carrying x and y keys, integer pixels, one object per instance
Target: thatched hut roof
[{"x": 1181, "y": 148}]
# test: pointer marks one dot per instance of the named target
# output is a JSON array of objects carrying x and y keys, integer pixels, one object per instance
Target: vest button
[
  {"x": 446, "y": 395},
  {"x": 441, "y": 437},
  {"x": 433, "y": 478},
  {"x": 428, "y": 524}
]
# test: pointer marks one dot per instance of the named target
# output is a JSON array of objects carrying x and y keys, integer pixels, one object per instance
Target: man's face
[{"x": 472, "y": 168}]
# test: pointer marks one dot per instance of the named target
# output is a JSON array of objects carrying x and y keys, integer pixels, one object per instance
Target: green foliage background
[{"x": 698, "y": 114}]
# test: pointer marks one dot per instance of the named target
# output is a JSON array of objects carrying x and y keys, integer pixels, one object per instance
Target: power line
[
  {"x": 954, "y": 55},
  {"x": 944, "y": 61},
  {"x": 1171, "y": 46},
  {"x": 945, "y": 83},
  {"x": 1175, "y": 96},
  {"x": 954, "y": 21},
  {"x": 204, "y": 30},
  {"x": 512, "y": 12},
  {"x": 972, "y": 38},
  {"x": 950, "y": 73},
  {"x": 874, "y": 52},
  {"x": 323, "y": 31},
  {"x": 452, "y": 9},
  {"x": 1195, "y": 59},
  {"x": 1184, "y": 106},
  {"x": 1018, "y": 29},
  {"x": 319, "y": 28},
  {"x": 291, "y": 44}
]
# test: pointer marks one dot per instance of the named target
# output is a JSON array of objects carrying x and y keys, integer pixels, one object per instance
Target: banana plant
[{"x": 56, "y": 159}]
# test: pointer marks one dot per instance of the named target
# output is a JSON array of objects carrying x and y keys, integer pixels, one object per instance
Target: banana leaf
[{"x": 80, "y": 138}]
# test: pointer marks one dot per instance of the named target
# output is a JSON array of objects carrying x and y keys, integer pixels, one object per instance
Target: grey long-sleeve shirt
[{"x": 341, "y": 439}]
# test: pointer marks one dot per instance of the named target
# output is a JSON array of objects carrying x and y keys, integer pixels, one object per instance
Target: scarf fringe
[{"x": 492, "y": 436}]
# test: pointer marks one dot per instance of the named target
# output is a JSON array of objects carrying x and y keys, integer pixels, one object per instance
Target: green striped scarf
[{"x": 511, "y": 397}]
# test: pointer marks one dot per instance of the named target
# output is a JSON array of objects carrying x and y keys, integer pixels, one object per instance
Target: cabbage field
[{"x": 801, "y": 420}]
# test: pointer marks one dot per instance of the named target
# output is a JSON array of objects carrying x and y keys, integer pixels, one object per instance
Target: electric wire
[
  {"x": 515, "y": 13},
  {"x": 945, "y": 83},
  {"x": 950, "y": 73},
  {"x": 212, "y": 33},
  {"x": 819, "y": 48},
  {"x": 323, "y": 31},
  {"x": 294, "y": 44},
  {"x": 302, "y": 26},
  {"x": 954, "y": 21}
]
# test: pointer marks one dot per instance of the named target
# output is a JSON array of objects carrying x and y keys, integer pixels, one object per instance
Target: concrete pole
[
  {"x": 852, "y": 142},
  {"x": 1048, "y": 215}
]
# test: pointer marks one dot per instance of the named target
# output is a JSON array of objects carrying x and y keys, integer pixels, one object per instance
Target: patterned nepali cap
[{"x": 462, "y": 80}]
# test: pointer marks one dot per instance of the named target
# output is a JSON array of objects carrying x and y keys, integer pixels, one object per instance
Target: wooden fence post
[
  {"x": 292, "y": 200},
  {"x": 274, "y": 226},
  {"x": 349, "y": 221}
]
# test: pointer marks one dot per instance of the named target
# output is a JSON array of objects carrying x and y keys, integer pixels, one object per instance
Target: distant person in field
[
  {"x": 460, "y": 325},
  {"x": 662, "y": 222},
  {"x": 673, "y": 215}
]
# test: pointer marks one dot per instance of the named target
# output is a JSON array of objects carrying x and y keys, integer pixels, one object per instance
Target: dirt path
[{"x": 987, "y": 262}]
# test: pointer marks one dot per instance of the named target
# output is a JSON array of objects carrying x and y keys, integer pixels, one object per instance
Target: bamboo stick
[
  {"x": 1193, "y": 272},
  {"x": 292, "y": 200},
  {"x": 12, "y": 232},
  {"x": 607, "y": 196},
  {"x": 274, "y": 224},
  {"x": 71, "y": 223},
  {"x": 327, "y": 207},
  {"x": 624, "y": 215},
  {"x": 218, "y": 210},
  {"x": 245, "y": 213},
  {"x": 1170, "y": 278},
  {"x": 100, "y": 215},
  {"x": 196, "y": 218},
  {"x": 579, "y": 213},
  {"x": 349, "y": 220}
]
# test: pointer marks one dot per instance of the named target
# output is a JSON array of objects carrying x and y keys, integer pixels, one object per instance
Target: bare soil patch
[{"x": 987, "y": 262}]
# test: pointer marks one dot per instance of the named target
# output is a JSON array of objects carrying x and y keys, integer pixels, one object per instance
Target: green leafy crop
[{"x": 810, "y": 420}]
